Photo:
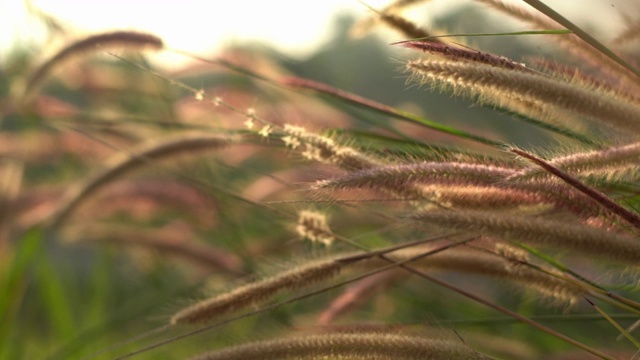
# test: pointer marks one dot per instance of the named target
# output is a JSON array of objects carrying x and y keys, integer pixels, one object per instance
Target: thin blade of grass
[
  {"x": 384, "y": 109},
  {"x": 54, "y": 296},
  {"x": 585, "y": 36},
  {"x": 512, "y": 33},
  {"x": 606, "y": 295},
  {"x": 615, "y": 324},
  {"x": 13, "y": 288},
  {"x": 570, "y": 134}
]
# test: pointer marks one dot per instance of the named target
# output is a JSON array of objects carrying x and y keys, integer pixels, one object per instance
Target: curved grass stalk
[
  {"x": 171, "y": 243},
  {"x": 99, "y": 42},
  {"x": 125, "y": 162},
  {"x": 512, "y": 314}
]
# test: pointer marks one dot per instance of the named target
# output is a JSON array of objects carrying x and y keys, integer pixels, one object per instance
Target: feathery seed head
[
  {"x": 265, "y": 131},
  {"x": 324, "y": 149},
  {"x": 313, "y": 225},
  {"x": 251, "y": 115}
]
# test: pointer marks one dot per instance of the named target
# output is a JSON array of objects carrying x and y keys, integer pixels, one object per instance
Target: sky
[{"x": 296, "y": 27}]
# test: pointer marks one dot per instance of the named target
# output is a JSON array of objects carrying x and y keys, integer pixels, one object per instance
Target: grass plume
[
  {"x": 508, "y": 89},
  {"x": 349, "y": 345},
  {"x": 98, "y": 42},
  {"x": 244, "y": 296},
  {"x": 125, "y": 162},
  {"x": 536, "y": 231}
]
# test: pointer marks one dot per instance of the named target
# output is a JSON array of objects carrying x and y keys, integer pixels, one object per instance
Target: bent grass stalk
[
  {"x": 163, "y": 240},
  {"x": 99, "y": 42},
  {"x": 405, "y": 265},
  {"x": 125, "y": 162}
]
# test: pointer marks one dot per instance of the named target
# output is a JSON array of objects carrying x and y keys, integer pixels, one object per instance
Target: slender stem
[
  {"x": 508, "y": 312},
  {"x": 545, "y": 9},
  {"x": 599, "y": 197}
]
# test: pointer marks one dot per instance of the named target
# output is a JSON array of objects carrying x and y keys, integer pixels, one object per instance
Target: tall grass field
[{"x": 462, "y": 185}]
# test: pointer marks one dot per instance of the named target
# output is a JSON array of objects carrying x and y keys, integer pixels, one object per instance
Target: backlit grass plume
[
  {"x": 349, "y": 345},
  {"x": 99, "y": 42}
]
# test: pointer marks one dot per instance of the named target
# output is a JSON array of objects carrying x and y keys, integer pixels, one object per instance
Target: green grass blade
[
  {"x": 385, "y": 109},
  {"x": 545, "y": 9},
  {"x": 13, "y": 284},
  {"x": 513, "y": 33},
  {"x": 615, "y": 324},
  {"x": 55, "y": 299}
]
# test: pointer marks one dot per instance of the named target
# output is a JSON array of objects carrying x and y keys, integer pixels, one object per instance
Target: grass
[{"x": 237, "y": 208}]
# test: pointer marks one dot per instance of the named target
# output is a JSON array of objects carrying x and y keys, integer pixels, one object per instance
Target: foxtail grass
[
  {"x": 569, "y": 237},
  {"x": 99, "y": 42},
  {"x": 509, "y": 89},
  {"x": 125, "y": 162},
  {"x": 167, "y": 241},
  {"x": 349, "y": 345},
  {"x": 208, "y": 310}
]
